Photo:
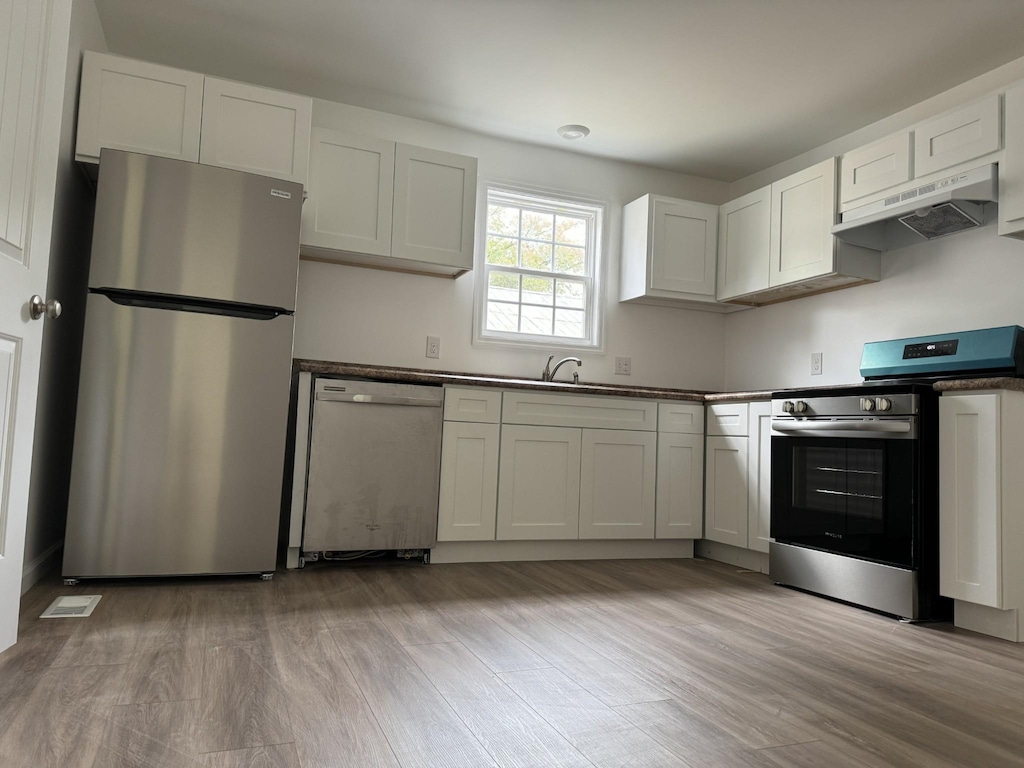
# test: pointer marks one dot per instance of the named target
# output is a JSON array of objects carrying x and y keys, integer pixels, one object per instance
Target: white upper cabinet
[
  {"x": 744, "y": 232},
  {"x": 669, "y": 251},
  {"x": 350, "y": 193},
  {"x": 803, "y": 212},
  {"x": 434, "y": 208},
  {"x": 869, "y": 170},
  {"x": 138, "y": 107},
  {"x": 1011, "y": 169},
  {"x": 957, "y": 137},
  {"x": 256, "y": 130}
]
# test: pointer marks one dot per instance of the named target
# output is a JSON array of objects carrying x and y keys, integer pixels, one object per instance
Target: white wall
[
  {"x": 961, "y": 282},
  {"x": 62, "y": 340},
  {"x": 370, "y": 316}
]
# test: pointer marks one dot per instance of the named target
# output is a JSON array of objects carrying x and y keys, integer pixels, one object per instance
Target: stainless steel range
[{"x": 855, "y": 473}]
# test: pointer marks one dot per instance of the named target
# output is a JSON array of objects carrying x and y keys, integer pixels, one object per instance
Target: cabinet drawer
[
  {"x": 686, "y": 418},
  {"x": 578, "y": 411},
  {"x": 957, "y": 137},
  {"x": 875, "y": 167},
  {"x": 481, "y": 405},
  {"x": 728, "y": 419}
]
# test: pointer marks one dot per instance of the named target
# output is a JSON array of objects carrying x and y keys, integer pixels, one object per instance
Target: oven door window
[{"x": 849, "y": 496}]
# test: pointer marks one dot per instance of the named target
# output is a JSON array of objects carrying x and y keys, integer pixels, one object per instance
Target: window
[{"x": 538, "y": 283}]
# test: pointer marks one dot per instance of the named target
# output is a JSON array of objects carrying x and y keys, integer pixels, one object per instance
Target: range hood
[{"x": 939, "y": 208}]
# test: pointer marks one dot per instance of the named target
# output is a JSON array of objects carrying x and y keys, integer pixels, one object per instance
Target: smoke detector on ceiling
[{"x": 573, "y": 132}]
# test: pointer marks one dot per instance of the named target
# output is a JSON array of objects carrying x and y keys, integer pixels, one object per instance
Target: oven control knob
[
  {"x": 867, "y": 404},
  {"x": 787, "y": 407},
  {"x": 883, "y": 404},
  {"x": 800, "y": 406}
]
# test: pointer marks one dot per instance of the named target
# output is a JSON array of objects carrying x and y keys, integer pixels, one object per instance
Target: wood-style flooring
[{"x": 603, "y": 663}]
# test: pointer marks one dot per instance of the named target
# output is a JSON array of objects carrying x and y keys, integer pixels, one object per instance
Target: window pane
[
  {"x": 569, "y": 322},
  {"x": 536, "y": 256},
  {"x": 570, "y": 230},
  {"x": 538, "y": 226},
  {"x": 538, "y": 290},
  {"x": 536, "y": 320},
  {"x": 501, "y": 286},
  {"x": 501, "y": 250},
  {"x": 502, "y": 317},
  {"x": 503, "y": 220},
  {"x": 571, "y": 294},
  {"x": 568, "y": 259}
]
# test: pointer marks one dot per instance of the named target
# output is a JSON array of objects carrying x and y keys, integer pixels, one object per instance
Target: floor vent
[{"x": 67, "y": 607}]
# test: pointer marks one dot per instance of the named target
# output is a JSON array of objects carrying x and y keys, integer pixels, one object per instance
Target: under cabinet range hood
[{"x": 939, "y": 208}]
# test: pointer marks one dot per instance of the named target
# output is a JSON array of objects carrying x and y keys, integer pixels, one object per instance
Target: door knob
[{"x": 37, "y": 308}]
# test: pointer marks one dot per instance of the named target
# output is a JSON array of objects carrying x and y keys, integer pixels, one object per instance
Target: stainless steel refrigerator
[{"x": 186, "y": 366}]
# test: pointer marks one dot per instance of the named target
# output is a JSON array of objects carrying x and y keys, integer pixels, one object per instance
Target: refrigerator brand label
[{"x": 281, "y": 193}]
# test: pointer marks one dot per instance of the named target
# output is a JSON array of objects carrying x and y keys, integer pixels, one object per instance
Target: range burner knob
[
  {"x": 787, "y": 407},
  {"x": 883, "y": 404},
  {"x": 867, "y": 404},
  {"x": 800, "y": 407}
]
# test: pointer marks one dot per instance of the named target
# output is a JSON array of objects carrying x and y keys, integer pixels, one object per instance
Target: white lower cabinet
[
  {"x": 680, "y": 494},
  {"x": 539, "y": 483},
  {"x": 467, "y": 504},
  {"x": 725, "y": 491},
  {"x": 759, "y": 477},
  {"x": 617, "y": 484}
]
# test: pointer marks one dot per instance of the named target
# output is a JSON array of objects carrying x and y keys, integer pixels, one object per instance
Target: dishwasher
[{"x": 374, "y": 468}]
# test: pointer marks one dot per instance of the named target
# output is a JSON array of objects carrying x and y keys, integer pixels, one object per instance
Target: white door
[
  {"x": 435, "y": 207},
  {"x": 256, "y": 130},
  {"x": 744, "y": 229},
  {"x": 680, "y": 496},
  {"x": 351, "y": 187},
  {"x": 803, "y": 212},
  {"x": 539, "y": 483},
  {"x": 970, "y": 562},
  {"x": 617, "y": 484},
  {"x": 31, "y": 98},
  {"x": 725, "y": 500},
  {"x": 760, "y": 477},
  {"x": 469, "y": 482},
  {"x": 684, "y": 245}
]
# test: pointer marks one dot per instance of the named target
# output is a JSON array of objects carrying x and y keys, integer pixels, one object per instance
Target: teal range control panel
[{"x": 992, "y": 350}]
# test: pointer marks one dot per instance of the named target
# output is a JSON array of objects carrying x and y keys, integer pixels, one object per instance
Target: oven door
[{"x": 850, "y": 495}]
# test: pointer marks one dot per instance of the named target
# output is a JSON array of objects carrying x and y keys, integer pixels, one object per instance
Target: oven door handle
[{"x": 860, "y": 427}]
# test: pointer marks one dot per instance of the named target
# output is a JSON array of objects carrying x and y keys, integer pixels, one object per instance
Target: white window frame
[{"x": 556, "y": 201}]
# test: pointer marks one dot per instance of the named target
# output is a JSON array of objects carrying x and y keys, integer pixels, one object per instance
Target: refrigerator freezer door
[
  {"x": 179, "y": 444},
  {"x": 178, "y": 228}
]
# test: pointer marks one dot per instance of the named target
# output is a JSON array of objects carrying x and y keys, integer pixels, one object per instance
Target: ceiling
[{"x": 715, "y": 88}]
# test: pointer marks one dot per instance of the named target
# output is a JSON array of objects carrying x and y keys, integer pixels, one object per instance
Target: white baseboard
[
  {"x": 509, "y": 551},
  {"x": 39, "y": 566},
  {"x": 724, "y": 553}
]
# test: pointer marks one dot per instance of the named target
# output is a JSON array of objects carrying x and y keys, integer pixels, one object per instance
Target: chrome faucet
[{"x": 549, "y": 375}]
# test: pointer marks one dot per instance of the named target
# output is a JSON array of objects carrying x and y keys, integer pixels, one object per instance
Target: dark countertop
[{"x": 427, "y": 376}]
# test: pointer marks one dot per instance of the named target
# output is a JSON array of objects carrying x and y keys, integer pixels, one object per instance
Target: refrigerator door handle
[{"x": 189, "y": 304}]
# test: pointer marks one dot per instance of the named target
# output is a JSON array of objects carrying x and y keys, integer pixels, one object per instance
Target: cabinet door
[
  {"x": 955, "y": 138},
  {"x": 725, "y": 500},
  {"x": 256, "y": 130},
  {"x": 617, "y": 484},
  {"x": 1011, "y": 169},
  {"x": 539, "y": 483},
  {"x": 970, "y": 558},
  {"x": 744, "y": 231},
  {"x": 435, "y": 204},
  {"x": 869, "y": 170},
  {"x": 803, "y": 212},
  {"x": 351, "y": 186},
  {"x": 759, "y": 477},
  {"x": 680, "y": 490},
  {"x": 138, "y": 107},
  {"x": 469, "y": 482},
  {"x": 684, "y": 241}
]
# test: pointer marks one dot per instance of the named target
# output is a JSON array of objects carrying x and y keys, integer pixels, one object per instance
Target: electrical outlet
[
  {"x": 815, "y": 363},
  {"x": 434, "y": 346},
  {"x": 623, "y": 366}
]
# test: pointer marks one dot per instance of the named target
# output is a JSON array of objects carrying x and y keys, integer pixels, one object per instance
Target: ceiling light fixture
[{"x": 572, "y": 132}]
